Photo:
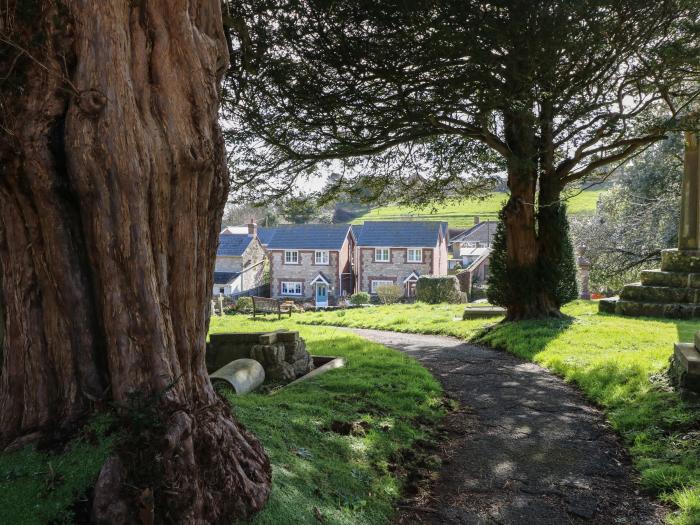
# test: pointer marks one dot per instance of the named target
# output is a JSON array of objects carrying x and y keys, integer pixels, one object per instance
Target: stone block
[
  {"x": 654, "y": 294},
  {"x": 607, "y": 306},
  {"x": 661, "y": 278},
  {"x": 267, "y": 339},
  {"x": 685, "y": 366},
  {"x": 667, "y": 310},
  {"x": 483, "y": 312},
  {"x": 674, "y": 260},
  {"x": 288, "y": 337}
]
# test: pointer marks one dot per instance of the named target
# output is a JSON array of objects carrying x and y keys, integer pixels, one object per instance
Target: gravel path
[{"x": 526, "y": 448}]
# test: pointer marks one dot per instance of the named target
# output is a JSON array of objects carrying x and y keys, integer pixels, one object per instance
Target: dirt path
[{"x": 526, "y": 448}]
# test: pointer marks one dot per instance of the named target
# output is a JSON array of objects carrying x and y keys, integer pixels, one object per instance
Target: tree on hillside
[
  {"x": 413, "y": 97},
  {"x": 112, "y": 186},
  {"x": 636, "y": 219}
]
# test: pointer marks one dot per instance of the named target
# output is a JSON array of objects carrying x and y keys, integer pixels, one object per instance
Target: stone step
[
  {"x": 659, "y": 294},
  {"x": 680, "y": 261},
  {"x": 642, "y": 309},
  {"x": 673, "y": 279}
]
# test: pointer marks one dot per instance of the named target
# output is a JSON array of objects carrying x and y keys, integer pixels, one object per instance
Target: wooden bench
[{"x": 265, "y": 305}]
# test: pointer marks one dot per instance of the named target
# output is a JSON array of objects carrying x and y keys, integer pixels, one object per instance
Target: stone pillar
[
  {"x": 584, "y": 269},
  {"x": 221, "y": 304},
  {"x": 689, "y": 230},
  {"x": 685, "y": 367}
]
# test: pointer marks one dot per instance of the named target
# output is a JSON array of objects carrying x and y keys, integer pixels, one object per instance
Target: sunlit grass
[
  {"x": 618, "y": 362},
  {"x": 347, "y": 478}
]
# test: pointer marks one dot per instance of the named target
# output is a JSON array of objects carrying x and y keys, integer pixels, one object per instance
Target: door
[
  {"x": 411, "y": 289},
  {"x": 321, "y": 294}
]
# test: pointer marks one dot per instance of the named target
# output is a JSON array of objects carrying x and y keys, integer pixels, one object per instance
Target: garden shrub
[
  {"x": 389, "y": 293},
  {"x": 435, "y": 290},
  {"x": 244, "y": 304},
  {"x": 359, "y": 298}
]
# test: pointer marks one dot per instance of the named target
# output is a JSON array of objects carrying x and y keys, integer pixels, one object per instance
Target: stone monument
[
  {"x": 674, "y": 290},
  {"x": 584, "y": 270}
]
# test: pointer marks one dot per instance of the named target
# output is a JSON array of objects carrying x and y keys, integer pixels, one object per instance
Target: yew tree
[
  {"x": 422, "y": 99},
  {"x": 112, "y": 186}
]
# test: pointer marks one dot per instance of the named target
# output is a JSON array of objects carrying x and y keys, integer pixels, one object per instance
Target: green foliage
[
  {"x": 434, "y": 290},
  {"x": 360, "y": 298},
  {"x": 244, "y": 304},
  {"x": 556, "y": 270},
  {"x": 389, "y": 293},
  {"x": 350, "y": 479},
  {"x": 636, "y": 219},
  {"x": 620, "y": 363}
]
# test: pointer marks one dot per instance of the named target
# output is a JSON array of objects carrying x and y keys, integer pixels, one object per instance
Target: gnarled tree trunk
[{"x": 112, "y": 186}]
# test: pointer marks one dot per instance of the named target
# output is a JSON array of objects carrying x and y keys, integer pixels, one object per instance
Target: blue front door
[{"x": 321, "y": 294}]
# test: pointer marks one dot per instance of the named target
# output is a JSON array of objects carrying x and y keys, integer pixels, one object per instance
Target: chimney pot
[{"x": 476, "y": 219}]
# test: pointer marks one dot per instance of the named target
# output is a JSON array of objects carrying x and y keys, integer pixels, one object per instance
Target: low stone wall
[{"x": 282, "y": 354}]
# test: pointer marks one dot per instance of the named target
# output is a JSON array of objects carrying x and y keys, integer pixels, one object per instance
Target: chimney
[
  {"x": 476, "y": 219},
  {"x": 252, "y": 228},
  {"x": 456, "y": 248}
]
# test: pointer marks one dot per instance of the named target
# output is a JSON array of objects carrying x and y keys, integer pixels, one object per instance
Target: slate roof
[
  {"x": 225, "y": 277},
  {"x": 404, "y": 234},
  {"x": 304, "y": 236},
  {"x": 232, "y": 244},
  {"x": 482, "y": 232}
]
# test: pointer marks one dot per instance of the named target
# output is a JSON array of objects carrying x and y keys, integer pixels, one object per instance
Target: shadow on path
[{"x": 526, "y": 448}]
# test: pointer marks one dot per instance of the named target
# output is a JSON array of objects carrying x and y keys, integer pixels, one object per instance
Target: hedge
[{"x": 435, "y": 290}]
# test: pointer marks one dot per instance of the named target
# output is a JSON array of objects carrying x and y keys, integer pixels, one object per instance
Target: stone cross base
[
  {"x": 672, "y": 292},
  {"x": 685, "y": 366}
]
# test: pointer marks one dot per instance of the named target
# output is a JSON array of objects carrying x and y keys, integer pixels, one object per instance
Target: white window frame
[
  {"x": 285, "y": 287},
  {"x": 377, "y": 251},
  {"x": 376, "y": 283},
  {"x": 288, "y": 259},
  {"x": 322, "y": 253},
  {"x": 419, "y": 251}
]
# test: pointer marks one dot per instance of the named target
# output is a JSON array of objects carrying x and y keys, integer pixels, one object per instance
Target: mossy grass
[{"x": 620, "y": 363}]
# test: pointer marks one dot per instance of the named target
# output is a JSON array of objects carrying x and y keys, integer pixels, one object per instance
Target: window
[
  {"x": 376, "y": 284},
  {"x": 291, "y": 257},
  {"x": 291, "y": 288},
  {"x": 321, "y": 257},
  {"x": 381, "y": 254},
  {"x": 414, "y": 255},
  {"x": 222, "y": 290}
]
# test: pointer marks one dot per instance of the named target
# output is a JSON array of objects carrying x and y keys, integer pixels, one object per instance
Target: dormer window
[{"x": 291, "y": 256}]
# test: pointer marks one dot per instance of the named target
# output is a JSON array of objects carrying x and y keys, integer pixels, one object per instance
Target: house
[
  {"x": 399, "y": 252},
  {"x": 472, "y": 245},
  {"x": 310, "y": 262},
  {"x": 240, "y": 261}
]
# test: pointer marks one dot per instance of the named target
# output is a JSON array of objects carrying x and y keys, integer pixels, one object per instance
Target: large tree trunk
[
  {"x": 112, "y": 186},
  {"x": 525, "y": 297}
]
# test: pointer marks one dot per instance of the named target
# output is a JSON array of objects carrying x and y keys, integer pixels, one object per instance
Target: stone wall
[
  {"x": 396, "y": 270},
  {"x": 282, "y": 354},
  {"x": 304, "y": 272}
]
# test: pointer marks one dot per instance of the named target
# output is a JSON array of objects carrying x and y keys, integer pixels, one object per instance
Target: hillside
[{"x": 461, "y": 213}]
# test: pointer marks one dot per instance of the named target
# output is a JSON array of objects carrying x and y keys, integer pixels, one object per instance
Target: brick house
[
  {"x": 240, "y": 258},
  {"x": 399, "y": 252},
  {"x": 310, "y": 262}
]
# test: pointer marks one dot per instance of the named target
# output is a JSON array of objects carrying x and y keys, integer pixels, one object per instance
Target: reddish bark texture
[{"x": 112, "y": 186}]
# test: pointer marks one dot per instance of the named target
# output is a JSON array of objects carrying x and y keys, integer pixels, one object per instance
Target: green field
[{"x": 460, "y": 213}]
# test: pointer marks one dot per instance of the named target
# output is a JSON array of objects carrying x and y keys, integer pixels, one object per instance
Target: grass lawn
[
  {"x": 618, "y": 362},
  {"x": 460, "y": 213},
  {"x": 345, "y": 479}
]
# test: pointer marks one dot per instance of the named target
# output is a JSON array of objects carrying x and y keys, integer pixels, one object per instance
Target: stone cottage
[
  {"x": 310, "y": 262},
  {"x": 399, "y": 252},
  {"x": 240, "y": 261}
]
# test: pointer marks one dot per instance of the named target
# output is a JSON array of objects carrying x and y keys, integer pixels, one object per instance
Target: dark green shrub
[
  {"x": 359, "y": 298},
  {"x": 244, "y": 304},
  {"x": 557, "y": 271},
  {"x": 435, "y": 290}
]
